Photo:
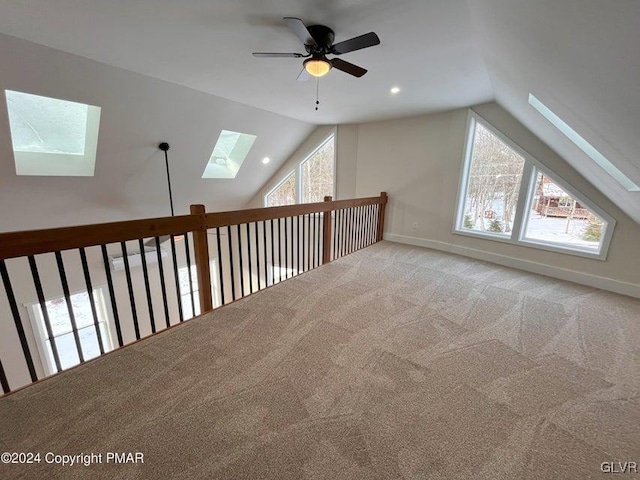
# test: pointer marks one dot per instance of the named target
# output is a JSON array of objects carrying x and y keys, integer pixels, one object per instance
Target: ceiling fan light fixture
[{"x": 317, "y": 67}]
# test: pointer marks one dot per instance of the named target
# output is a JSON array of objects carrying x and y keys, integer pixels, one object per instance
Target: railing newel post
[
  {"x": 383, "y": 203},
  {"x": 201, "y": 250}
]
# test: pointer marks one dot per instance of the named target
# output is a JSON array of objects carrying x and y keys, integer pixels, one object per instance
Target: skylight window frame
[
  {"x": 226, "y": 171},
  {"x": 579, "y": 141},
  {"x": 57, "y": 164},
  {"x": 526, "y": 193}
]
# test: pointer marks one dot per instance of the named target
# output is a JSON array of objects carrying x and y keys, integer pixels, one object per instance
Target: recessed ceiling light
[
  {"x": 266, "y": 160},
  {"x": 395, "y": 90},
  {"x": 583, "y": 145}
]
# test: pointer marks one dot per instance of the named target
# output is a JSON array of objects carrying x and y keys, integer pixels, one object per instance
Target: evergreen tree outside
[
  {"x": 593, "y": 229},
  {"x": 468, "y": 223},
  {"x": 495, "y": 226}
]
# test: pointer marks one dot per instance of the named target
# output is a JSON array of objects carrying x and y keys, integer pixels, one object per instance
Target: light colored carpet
[{"x": 393, "y": 362}]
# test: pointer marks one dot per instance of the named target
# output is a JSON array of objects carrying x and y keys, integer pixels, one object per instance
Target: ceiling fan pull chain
[{"x": 317, "y": 92}]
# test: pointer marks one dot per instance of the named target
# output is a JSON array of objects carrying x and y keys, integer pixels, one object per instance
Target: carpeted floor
[{"x": 393, "y": 362}]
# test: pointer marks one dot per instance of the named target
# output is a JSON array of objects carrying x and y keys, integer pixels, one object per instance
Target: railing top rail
[
  {"x": 34, "y": 242},
  {"x": 220, "y": 219}
]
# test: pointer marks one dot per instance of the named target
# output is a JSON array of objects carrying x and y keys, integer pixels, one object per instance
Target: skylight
[
  {"x": 52, "y": 136},
  {"x": 230, "y": 151},
  {"x": 585, "y": 146}
]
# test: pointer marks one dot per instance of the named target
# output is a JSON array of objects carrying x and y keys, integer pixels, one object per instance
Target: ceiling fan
[{"x": 318, "y": 42}]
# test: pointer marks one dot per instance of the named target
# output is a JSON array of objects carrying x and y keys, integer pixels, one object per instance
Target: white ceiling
[
  {"x": 427, "y": 48},
  {"x": 580, "y": 57}
]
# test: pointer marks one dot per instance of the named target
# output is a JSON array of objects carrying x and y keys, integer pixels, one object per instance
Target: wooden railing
[{"x": 76, "y": 293}]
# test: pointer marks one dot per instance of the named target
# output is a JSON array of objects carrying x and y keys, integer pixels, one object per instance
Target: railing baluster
[
  {"x": 163, "y": 285},
  {"x": 286, "y": 249},
  {"x": 37, "y": 283},
  {"x": 279, "y": 252},
  {"x": 273, "y": 260},
  {"x": 176, "y": 277},
  {"x": 220, "y": 274},
  {"x": 92, "y": 302},
  {"x": 305, "y": 245},
  {"x": 132, "y": 300},
  {"x": 291, "y": 228},
  {"x": 112, "y": 294},
  {"x": 344, "y": 233},
  {"x": 370, "y": 234},
  {"x": 67, "y": 298},
  {"x": 352, "y": 228},
  {"x": 231, "y": 269},
  {"x": 249, "y": 261},
  {"x": 3, "y": 380},
  {"x": 310, "y": 244},
  {"x": 188, "y": 255},
  {"x": 241, "y": 266},
  {"x": 334, "y": 214},
  {"x": 264, "y": 250},
  {"x": 300, "y": 262},
  {"x": 360, "y": 226},
  {"x": 255, "y": 230},
  {"x": 147, "y": 287},
  {"x": 314, "y": 241},
  {"x": 16, "y": 318}
]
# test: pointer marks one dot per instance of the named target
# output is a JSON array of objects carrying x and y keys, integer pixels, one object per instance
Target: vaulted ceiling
[{"x": 580, "y": 57}]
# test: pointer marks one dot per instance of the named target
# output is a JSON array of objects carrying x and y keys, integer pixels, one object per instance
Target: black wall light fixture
[{"x": 164, "y": 146}]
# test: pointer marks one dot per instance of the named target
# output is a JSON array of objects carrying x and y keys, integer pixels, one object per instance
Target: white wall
[{"x": 418, "y": 160}]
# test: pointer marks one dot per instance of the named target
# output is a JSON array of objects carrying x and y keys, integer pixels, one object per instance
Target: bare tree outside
[
  {"x": 283, "y": 194},
  {"x": 493, "y": 185},
  {"x": 318, "y": 172}
]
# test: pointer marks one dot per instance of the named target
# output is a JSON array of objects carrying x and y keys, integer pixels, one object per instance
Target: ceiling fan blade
[
  {"x": 300, "y": 29},
  {"x": 356, "y": 43},
  {"x": 277, "y": 55},
  {"x": 304, "y": 75},
  {"x": 347, "y": 67}
]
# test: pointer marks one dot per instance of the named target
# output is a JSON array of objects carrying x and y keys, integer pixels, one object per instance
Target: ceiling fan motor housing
[{"x": 324, "y": 38}]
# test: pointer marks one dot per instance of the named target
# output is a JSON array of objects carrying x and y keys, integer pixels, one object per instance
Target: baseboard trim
[{"x": 595, "y": 281}]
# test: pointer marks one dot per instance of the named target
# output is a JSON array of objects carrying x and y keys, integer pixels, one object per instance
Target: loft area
[{"x": 249, "y": 303}]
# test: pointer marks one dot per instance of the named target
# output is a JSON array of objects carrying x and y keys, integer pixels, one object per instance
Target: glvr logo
[{"x": 619, "y": 467}]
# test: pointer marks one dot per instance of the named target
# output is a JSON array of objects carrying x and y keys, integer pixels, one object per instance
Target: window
[
  {"x": 229, "y": 153},
  {"x": 493, "y": 184},
  {"x": 284, "y": 193},
  {"x": 559, "y": 218},
  {"x": 278, "y": 273},
  {"x": 317, "y": 172},
  {"x": 185, "y": 292},
  {"x": 508, "y": 196},
  {"x": 310, "y": 182},
  {"x": 583, "y": 145},
  {"x": 52, "y": 136},
  {"x": 62, "y": 330}
]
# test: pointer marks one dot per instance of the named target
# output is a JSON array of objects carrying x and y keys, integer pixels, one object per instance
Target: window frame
[
  {"x": 297, "y": 169},
  {"x": 525, "y": 198},
  {"x": 41, "y": 336}
]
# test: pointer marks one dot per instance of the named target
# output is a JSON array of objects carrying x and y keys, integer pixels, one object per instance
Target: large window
[
  {"x": 284, "y": 193},
  {"x": 62, "y": 331},
  {"x": 557, "y": 217},
  {"x": 310, "y": 182},
  {"x": 508, "y": 196},
  {"x": 185, "y": 289},
  {"x": 317, "y": 173},
  {"x": 493, "y": 184}
]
